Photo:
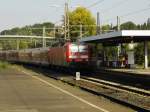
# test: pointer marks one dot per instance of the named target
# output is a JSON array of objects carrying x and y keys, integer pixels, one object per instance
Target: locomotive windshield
[
  {"x": 78, "y": 48},
  {"x": 78, "y": 52},
  {"x": 74, "y": 48},
  {"x": 83, "y": 48}
]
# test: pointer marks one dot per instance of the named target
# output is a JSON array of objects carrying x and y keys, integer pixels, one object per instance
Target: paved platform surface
[
  {"x": 25, "y": 92},
  {"x": 134, "y": 71},
  {"x": 139, "y": 71}
]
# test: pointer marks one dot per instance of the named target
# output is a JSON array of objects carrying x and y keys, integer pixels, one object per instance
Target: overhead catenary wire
[
  {"x": 129, "y": 14},
  {"x": 96, "y": 3},
  {"x": 138, "y": 11},
  {"x": 115, "y": 5}
]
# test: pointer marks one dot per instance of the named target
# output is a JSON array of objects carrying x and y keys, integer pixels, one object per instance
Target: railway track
[
  {"x": 136, "y": 98},
  {"x": 141, "y": 81},
  {"x": 118, "y": 86},
  {"x": 133, "y": 99}
]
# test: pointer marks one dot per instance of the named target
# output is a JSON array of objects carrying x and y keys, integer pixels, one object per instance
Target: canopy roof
[{"x": 124, "y": 36}]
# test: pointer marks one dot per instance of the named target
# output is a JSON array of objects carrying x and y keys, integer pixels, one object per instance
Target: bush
[{"x": 4, "y": 65}]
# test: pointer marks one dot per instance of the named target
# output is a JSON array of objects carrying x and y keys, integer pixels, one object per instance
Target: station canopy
[{"x": 124, "y": 36}]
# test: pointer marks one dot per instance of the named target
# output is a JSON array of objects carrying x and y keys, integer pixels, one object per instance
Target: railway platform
[
  {"x": 137, "y": 71},
  {"x": 24, "y": 91},
  {"x": 137, "y": 77}
]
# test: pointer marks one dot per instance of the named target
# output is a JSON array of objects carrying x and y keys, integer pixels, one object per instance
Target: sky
[{"x": 18, "y": 13}]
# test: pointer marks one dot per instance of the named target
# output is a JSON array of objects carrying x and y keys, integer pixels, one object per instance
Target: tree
[
  {"x": 23, "y": 44},
  {"x": 139, "y": 27},
  {"x": 8, "y": 45},
  {"x": 106, "y": 28},
  {"x": 35, "y": 29},
  {"x": 144, "y": 26},
  {"x": 30, "y": 30},
  {"x": 139, "y": 53},
  {"x": 39, "y": 31},
  {"x": 148, "y": 24},
  {"x": 128, "y": 26},
  {"x": 78, "y": 17}
]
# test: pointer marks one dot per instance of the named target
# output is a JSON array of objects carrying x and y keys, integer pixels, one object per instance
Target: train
[{"x": 70, "y": 55}]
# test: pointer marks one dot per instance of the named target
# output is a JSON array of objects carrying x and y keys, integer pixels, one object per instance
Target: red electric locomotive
[{"x": 69, "y": 55}]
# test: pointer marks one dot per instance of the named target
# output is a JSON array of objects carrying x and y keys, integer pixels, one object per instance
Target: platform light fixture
[{"x": 131, "y": 46}]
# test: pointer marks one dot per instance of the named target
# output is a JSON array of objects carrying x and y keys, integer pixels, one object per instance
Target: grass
[{"x": 4, "y": 65}]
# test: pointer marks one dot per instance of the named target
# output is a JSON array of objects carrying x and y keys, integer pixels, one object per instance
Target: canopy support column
[{"x": 146, "y": 54}]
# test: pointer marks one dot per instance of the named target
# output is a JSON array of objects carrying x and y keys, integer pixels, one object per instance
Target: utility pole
[
  {"x": 54, "y": 31},
  {"x": 43, "y": 39},
  {"x": 98, "y": 24},
  {"x": 119, "y": 45},
  {"x": 18, "y": 42},
  {"x": 65, "y": 21},
  {"x": 67, "y": 26},
  {"x": 35, "y": 43},
  {"x": 30, "y": 31},
  {"x": 118, "y": 23}
]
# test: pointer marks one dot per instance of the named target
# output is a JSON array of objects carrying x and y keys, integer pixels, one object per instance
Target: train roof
[{"x": 27, "y": 50}]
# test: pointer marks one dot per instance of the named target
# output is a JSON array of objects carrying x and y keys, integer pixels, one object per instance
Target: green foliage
[
  {"x": 111, "y": 53},
  {"x": 39, "y": 32},
  {"x": 139, "y": 54},
  {"x": 128, "y": 26},
  {"x": 30, "y": 30},
  {"x": 106, "y": 28},
  {"x": 144, "y": 26},
  {"x": 3, "y": 65},
  {"x": 81, "y": 16},
  {"x": 12, "y": 45},
  {"x": 139, "y": 49},
  {"x": 23, "y": 45},
  {"x": 35, "y": 29},
  {"x": 8, "y": 45},
  {"x": 148, "y": 23}
]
